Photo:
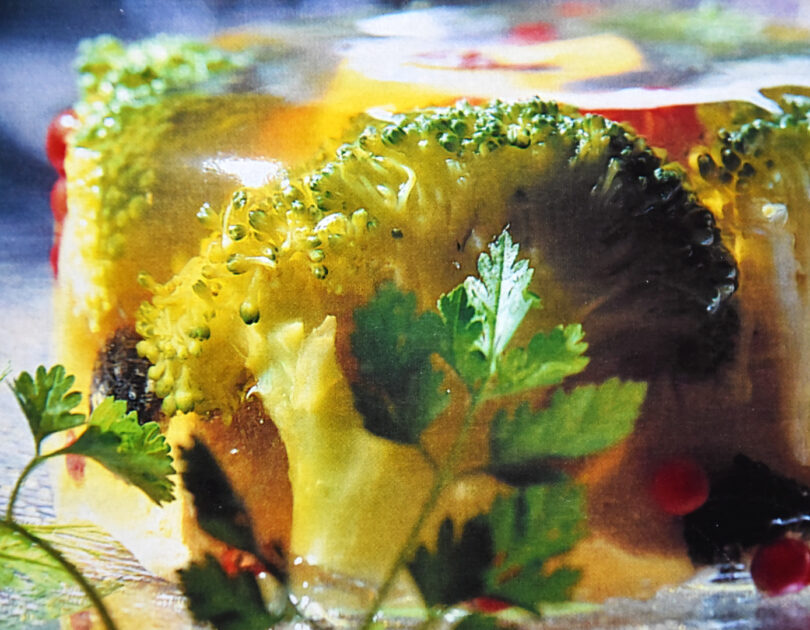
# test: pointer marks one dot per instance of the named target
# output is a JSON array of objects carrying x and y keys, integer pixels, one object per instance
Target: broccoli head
[{"x": 616, "y": 240}]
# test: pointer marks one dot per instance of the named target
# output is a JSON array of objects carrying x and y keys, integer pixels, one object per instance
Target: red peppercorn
[
  {"x": 680, "y": 486},
  {"x": 489, "y": 605},
  {"x": 59, "y": 200},
  {"x": 229, "y": 561},
  {"x": 233, "y": 561},
  {"x": 56, "y": 138},
  {"x": 781, "y": 567}
]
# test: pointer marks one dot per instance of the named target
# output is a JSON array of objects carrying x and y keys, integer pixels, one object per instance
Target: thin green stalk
[
  {"x": 35, "y": 461},
  {"x": 434, "y": 618},
  {"x": 70, "y": 568},
  {"x": 444, "y": 477}
]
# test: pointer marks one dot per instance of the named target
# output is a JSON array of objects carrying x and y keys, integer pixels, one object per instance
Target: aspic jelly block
[
  {"x": 259, "y": 242},
  {"x": 134, "y": 209}
]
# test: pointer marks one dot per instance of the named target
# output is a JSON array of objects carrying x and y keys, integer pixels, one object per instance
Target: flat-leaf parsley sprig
[
  {"x": 112, "y": 436},
  {"x": 502, "y": 554}
]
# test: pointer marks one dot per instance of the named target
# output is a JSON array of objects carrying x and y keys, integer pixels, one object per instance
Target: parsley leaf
[
  {"x": 504, "y": 554},
  {"x": 35, "y": 583},
  {"x": 477, "y": 622},
  {"x": 27, "y": 568},
  {"x": 547, "y": 360},
  {"x": 464, "y": 331},
  {"x": 228, "y": 603},
  {"x": 455, "y": 571},
  {"x": 500, "y": 296},
  {"x": 529, "y": 527},
  {"x": 47, "y": 402},
  {"x": 399, "y": 394},
  {"x": 220, "y": 511},
  {"x": 580, "y": 422},
  {"x": 139, "y": 454}
]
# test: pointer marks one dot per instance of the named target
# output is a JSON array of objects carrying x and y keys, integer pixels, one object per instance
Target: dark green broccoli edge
[
  {"x": 681, "y": 263},
  {"x": 745, "y": 148},
  {"x": 678, "y": 274}
]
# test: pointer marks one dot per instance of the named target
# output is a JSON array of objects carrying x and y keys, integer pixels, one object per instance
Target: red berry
[
  {"x": 781, "y": 567},
  {"x": 59, "y": 199},
  {"x": 489, "y": 605},
  {"x": 55, "y": 140},
  {"x": 680, "y": 486}
]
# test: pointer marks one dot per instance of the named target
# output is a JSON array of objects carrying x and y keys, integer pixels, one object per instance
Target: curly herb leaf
[
  {"x": 477, "y": 622},
  {"x": 220, "y": 511},
  {"x": 585, "y": 420},
  {"x": 47, "y": 402},
  {"x": 547, "y": 360},
  {"x": 399, "y": 394},
  {"x": 464, "y": 331},
  {"x": 454, "y": 572},
  {"x": 529, "y": 527},
  {"x": 34, "y": 582},
  {"x": 139, "y": 454},
  {"x": 228, "y": 603},
  {"x": 504, "y": 554},
  {"x": 500, "y": 296},
  {"x": 27, "y": 568}
]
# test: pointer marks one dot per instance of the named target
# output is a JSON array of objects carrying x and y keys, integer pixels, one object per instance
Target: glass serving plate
[{"x": 606, "y": 56}]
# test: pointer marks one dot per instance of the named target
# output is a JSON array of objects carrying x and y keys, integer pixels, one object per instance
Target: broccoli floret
[
  {"x": 614, "y": 237},
  {"x": 756, "y": 178},
  {"x": 414, "y": 200},
  {"x": 134, "y": 101}
]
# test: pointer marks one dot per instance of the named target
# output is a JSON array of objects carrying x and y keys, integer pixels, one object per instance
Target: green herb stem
[
  {"x": 444, "y": 476},
  {"x": 70, "y": 568},
  {"x": 35, "y": 461},
  {"x": 435, "y": 617}
]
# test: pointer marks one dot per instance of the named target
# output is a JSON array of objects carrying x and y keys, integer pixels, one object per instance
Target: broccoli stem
[{"x": 339, "y": 472}]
